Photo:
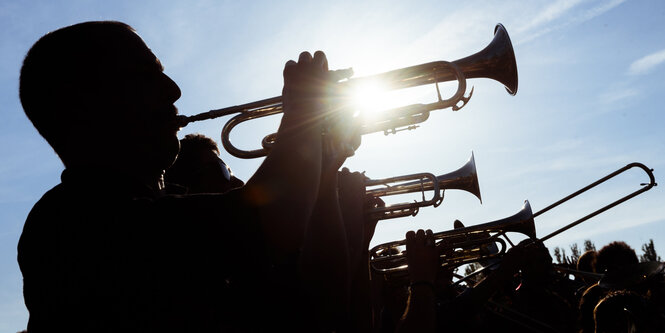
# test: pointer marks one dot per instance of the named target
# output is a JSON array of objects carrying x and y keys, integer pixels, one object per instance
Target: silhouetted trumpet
[
  {"x": 464, "y": 178},
  {"x": 459, "y": 246},
  {"x": 496, "y": 61},
  {"x": 478, "y": 242}
]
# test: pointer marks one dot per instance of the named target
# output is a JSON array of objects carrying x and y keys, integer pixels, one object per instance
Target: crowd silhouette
[{"x": 148, "y": 233}]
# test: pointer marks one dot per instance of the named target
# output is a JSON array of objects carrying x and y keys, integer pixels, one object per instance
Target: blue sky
[{"x": 589, "y": 101}]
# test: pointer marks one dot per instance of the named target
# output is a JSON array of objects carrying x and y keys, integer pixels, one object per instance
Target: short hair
[
  {"x": 194, "y": 143},
  {"x": 614, "y": 256},
  {"x": 195, "y": 155},
  {"x": 587, "y": 261},
  {"x": 63, "y": 71}
]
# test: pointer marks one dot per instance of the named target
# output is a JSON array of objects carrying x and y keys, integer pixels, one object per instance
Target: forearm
[
  {"x": 324, "y": 264},
  {"x": 420, "y": 312},
  {"x": 361, "y": 316},
  {"x": 285, "y": 187},
  {"x": 352, "y": 198}
]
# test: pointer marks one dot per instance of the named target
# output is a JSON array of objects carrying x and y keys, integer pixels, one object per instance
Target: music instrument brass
[
  {"x": 496, "y": 61},
  {"x": 464, "y": 178},
  {"x": 470, "y": 244}
]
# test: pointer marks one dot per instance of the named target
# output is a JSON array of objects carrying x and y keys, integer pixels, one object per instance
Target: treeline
[{"x": 560, "y": 256}]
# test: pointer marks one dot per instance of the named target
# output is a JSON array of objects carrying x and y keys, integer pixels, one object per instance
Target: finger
[
  {"x": 320, "y": 60},
  {"x": 410, "y": 239},
  {"x": 420, "y": 236},
  {"x": 410, "y": 235},
  {"x": 289, "y": 67},
  {"x": 429, "y": 238},
  {"x": 305, "y": 58}
]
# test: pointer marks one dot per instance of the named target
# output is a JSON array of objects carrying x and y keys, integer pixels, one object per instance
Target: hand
[
  {"x": 341, "y": 131},
  {"x": 422, "y": 256},
  {"x": 305, "y": 87},
  {"x": 310, "y": 98},
  {"x": 340, "y": 141}
]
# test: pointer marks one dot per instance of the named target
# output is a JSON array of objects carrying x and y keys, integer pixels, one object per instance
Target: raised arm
[
  {"x": 285, "y": 186},
  {"x": 423, "y": 259}
]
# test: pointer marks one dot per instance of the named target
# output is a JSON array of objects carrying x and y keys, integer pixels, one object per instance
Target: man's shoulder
[
  {"x": 42, "y": 219},
  {"x": 51, "y": 200}
]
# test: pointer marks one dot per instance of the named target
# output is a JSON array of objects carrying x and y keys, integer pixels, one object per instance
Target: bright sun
[{"x": 368, "y": 99}]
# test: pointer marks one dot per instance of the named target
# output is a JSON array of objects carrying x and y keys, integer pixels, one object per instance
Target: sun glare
[
  {"x": 368, "y": 99},
  {"x": 372, "y": 98}
]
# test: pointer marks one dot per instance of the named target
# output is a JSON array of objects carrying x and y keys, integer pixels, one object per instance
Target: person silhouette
[{"x": 107, "y": 249}]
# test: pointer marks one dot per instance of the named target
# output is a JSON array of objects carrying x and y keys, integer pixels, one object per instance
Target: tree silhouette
[
  {"x": 649, "y": 251},
  {"x": 563, "y": 259},
  {"x": 575, "y": 254},
  {"x": 589, "y": 245},
  {"x": 557, "y": 255}
]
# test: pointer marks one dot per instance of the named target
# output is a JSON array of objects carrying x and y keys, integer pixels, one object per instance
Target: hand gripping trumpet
[
  {"x": 496, "y": 61},
  {"x": 488, "y": 240},
  {"x": 464, "y": 178}
]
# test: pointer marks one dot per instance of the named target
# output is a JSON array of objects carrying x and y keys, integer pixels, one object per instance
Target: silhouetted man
[{"x": 105, "y": 250}]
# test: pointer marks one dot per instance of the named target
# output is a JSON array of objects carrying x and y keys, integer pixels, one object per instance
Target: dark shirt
[{"x": 102, "y": 253}]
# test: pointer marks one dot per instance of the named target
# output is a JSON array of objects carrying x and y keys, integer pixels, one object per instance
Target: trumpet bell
[
  {"x": 464, "y": 178},
  {"x": 459, "y": 246},
  {"x": 521, "y": 222},
  {"x": 496, "y": 61}
]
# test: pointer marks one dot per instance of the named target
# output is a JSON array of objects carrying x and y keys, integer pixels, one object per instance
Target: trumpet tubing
[
  {"x": 458, "y": 246},
  {"x": 464, "y": 178},
  {"x": 389, "y": 258},
  {"x": 496, "y": 61}
]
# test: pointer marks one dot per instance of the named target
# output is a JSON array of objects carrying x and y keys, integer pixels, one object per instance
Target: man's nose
[{"x": 171, "y": 88}]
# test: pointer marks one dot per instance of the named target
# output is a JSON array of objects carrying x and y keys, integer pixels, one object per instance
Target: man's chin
[
  {"x": 169, "y": 156},
  {"x": 163, "y": 153}
]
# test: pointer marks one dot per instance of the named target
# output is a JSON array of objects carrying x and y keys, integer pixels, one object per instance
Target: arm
[
  {"x": 285, "y": 187},
  {"x": 325, "y": 263},
  {"x": 354, "y": 203},
  {"x": 423, "y": 260}
]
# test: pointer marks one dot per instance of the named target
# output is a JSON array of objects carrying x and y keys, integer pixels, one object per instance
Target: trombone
[
  {"x": 479, "y": 242},
  {"x": 464, "y": 178},
  {"x": 496, "y": 61}
]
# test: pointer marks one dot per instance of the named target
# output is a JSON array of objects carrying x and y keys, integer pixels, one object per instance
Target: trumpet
[
  {"x": 474, "y": 243},
  {"x": 459, "y": 246},
  {"x": 464, "y": 178},
  {"x": 496, "y": 61}
]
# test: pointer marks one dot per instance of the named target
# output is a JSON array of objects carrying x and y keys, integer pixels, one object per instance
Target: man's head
[
  {"x": 99, "y": 81},
  {"x": 199, "y": 168},
  {"x": 587, "y": 261},
  {"x": 615, "y": 256}
]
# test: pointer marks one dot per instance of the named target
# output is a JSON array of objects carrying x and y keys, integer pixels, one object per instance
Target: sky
[{"x": 588, "y": 103}]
